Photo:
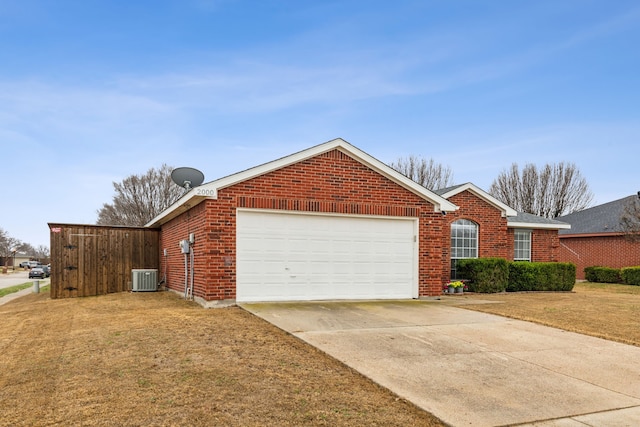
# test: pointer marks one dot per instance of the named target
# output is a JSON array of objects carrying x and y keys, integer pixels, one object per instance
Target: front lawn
[
  {"x": 153, "y": 359},
  {"x": 602, "y": 310},
  {"x": 16, "y": 288}
]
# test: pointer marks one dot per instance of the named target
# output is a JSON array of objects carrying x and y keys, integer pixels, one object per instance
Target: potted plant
[{"x": 453, "y": 287}]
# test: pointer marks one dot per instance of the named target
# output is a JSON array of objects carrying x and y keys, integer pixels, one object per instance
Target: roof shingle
[{"x": 603, "y": 218}]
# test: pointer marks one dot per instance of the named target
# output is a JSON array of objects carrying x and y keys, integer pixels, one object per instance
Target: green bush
[
  {"x": 541, "y": 276},
  {"x": 590, "y": 274},
  {"x": 631, "y": 275},
  {"x": 485, "y": 275},
  {"x": 522, "y": 276},
  {"x": 598, "y": 274}
]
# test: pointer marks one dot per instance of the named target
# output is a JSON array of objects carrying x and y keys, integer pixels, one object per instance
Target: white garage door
[{"x": 298, "y": 257}]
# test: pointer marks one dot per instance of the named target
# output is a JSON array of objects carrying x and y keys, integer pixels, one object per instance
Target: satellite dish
[{"x": 187, "y": 177}]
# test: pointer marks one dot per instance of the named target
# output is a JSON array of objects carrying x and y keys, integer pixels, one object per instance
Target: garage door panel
[{"x": 285, "y": 256}]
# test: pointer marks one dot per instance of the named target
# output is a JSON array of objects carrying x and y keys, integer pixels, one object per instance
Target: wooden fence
[{"x": 89, "y": 260}]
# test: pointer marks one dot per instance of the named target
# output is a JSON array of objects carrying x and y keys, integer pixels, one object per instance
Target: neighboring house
[
  {"x": 597, "y": 239},
  {"x": 17, "y": 259},
  {"x": 332, "y": 222}
]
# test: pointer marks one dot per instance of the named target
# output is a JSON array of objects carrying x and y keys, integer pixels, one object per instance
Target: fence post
[{"x": 36, "y": 286}]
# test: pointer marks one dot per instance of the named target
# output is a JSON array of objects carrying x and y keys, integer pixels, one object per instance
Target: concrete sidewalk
[
  {"x": 10, "y": 297},
  {"x": 473, "y": 369}
]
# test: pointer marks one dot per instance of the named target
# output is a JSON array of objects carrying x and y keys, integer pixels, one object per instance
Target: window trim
[
  {"x": 529, "y": 240},
  {"x": 460, "y": 237}
]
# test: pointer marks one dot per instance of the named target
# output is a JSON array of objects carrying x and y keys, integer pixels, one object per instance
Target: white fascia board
[
  {"x": 210, "y": 190},
  {"x": 440, "y": 203},
  {"x": 187, "y": 201},
  {"x": 538, "y": 225},
  {"x": 506, "y": 210}
]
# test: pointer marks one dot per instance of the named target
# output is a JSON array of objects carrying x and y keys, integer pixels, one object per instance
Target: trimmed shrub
[
  {"x": 541, "y": 276},
  {"x": 631, "y": 275},
  {"x": 485, "y": 275},
  {"x": 522, "y": 276},
  {"x": 590, "y": 274},
  {"x": 598, "y": 274}
]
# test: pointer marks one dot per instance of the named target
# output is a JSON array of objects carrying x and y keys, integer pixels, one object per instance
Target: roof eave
[
  {"x": 602, "y": 234},
  {"x": 187, "y": 201},
  {"x": 538, "y": 225},
  {"x": 507, "y": 211},
  {"x": 210, "y": 190}
]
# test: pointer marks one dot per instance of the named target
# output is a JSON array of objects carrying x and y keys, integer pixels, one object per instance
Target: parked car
[
  {"x": 37, "y": 272},
  {"x": 29, "y": 264},
  {"x": 47, "y": 270}
]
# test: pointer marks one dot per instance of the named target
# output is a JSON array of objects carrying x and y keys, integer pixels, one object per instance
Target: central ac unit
[{"x": 145, "y": 280}]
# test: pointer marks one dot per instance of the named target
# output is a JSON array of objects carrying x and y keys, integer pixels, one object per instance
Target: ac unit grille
[{"x": 145, "y": 280}]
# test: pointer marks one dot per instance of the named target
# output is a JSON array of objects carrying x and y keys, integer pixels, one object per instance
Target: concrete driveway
[{"x": 469, "y": 368}]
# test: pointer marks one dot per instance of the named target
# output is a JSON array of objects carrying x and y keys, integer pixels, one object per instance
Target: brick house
[
  {"x": 596, "y": 238},
  {"x": 332, "y": 222}
]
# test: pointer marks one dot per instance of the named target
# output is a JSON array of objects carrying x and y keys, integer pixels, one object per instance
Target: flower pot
[
  {"x": 451, "y": 290},
  {"x": 459, "y": 290}
]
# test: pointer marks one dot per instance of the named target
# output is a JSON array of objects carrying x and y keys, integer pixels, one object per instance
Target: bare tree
[
  {"x": 552, "y": 191},
  {"x": 427, "y": 173},
  {"x": 630, "y": 218},
  {"x": 42, "y": 252},
  {"x": 140, "y": 198},
  {"x": 7, "y": 245}
]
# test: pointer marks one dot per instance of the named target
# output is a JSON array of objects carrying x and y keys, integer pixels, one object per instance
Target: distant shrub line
[
  {"x": 626, "y": 275},
  {"x": 490, "y": 275}
]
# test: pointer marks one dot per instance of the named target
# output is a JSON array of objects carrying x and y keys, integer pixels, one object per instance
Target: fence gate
[{"x": 88, "y": 260}]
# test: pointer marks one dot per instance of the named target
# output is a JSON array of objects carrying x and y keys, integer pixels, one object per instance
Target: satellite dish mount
[{"x": 187, "y": 177}]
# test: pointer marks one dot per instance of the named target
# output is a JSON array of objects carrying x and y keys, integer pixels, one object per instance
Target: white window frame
[
  {"x": 522, "y": 245},
  {"x": 466, "y": 232}
]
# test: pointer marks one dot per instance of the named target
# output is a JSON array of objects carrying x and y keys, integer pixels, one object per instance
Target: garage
[
  {"x": 329, "y": 222},
  {"x": 295, "y": 256}
]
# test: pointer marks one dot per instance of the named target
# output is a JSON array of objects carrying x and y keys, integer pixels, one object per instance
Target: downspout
[
  {"x": 186, "y": 275},
  {"x": 164, "y": 274},
  {"x": 192, "y": 262}
]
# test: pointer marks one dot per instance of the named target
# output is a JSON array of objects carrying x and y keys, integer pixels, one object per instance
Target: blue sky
[{"x": 94, "y": 91}]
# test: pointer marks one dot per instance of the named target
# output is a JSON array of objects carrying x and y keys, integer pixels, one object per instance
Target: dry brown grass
[
  {"x": 601, "y": 310},
  {"x": 152, "y": 359}
]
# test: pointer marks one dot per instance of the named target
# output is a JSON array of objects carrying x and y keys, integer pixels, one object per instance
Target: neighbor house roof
[
  {"x": 210, "y": 190},
  {"x": 599, "y": 219},
  {"x": 515, "y": 219}
]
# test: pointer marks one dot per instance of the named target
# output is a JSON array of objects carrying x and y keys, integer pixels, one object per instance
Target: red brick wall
[
  {"x": 545, "y": 245},
  {"x": 606, "y": 251},
  {"x": 331, "y": 183},
  {"x": 173, "y": 264},
  {"x": 493, "y": 239}
]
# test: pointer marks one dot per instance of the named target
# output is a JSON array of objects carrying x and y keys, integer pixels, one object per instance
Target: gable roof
[
  {"x": 599, "y": 219},
  {"x": 456, "y": 189},
  {"x": 210, "y": 189},
  {"x": 515, "y": 219}
]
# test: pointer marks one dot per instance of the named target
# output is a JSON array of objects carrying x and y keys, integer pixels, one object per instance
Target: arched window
[{"x": 464, "y": 243}]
